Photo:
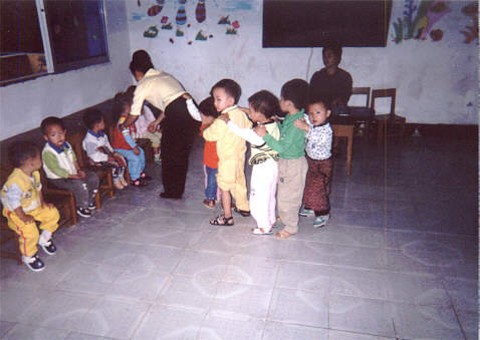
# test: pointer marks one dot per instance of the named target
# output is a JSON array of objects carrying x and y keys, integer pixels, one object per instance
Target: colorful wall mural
[
  {"x": 172, "y": 19},
  {"x": 420, "y": 18}
]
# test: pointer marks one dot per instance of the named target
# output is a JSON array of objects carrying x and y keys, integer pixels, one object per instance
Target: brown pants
[{"x": 317, "y": 185}]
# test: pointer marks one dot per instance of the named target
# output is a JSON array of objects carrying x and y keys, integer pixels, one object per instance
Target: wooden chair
[
  {"x": 363, "y": 114},
  {"x": 388, "y": 124},
  {"x": 106, "y": 186}
]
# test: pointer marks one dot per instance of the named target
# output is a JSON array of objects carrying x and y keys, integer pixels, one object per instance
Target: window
[{"x": 50, "y": 36}]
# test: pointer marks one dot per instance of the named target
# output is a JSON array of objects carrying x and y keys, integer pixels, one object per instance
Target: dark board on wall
[{"x": 312, "y": 23}]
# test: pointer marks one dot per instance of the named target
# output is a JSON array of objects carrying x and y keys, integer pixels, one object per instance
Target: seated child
[
  {"x": 292, "y": 166},
  {"x": 208, "y": 113},
  {"x": 143, "y": 127},
  {"x": 231, "y": 151},
  {"x": 62, "y": 169},
  {"x": 319, "y": 160},
  {"x": 23, "y": 205},
  {"x": 263, "y": 106},
  {"x": 99, "y": 150},
  {"x": 124, "y": 144}
]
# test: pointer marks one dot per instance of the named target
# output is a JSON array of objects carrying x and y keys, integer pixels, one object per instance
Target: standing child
[
  {"x": 23, "y": 204},
  {"x": 292, "y": 165},
  {"x": 62, "y": 170},
  {"x": 231, "y": 151},
  {"x": 208, "y": 113},
  {"x": 319, "y": 159},
  {"x": 99, "y": 150},
  {"x": 124, "y": 144},
  {"x": 263, "y": 106}
]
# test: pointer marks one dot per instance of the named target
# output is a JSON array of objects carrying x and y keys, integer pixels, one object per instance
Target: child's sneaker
[
  {"x": 49, "y": 247},
  {"x": 33, "y": 263},
  {"x": 84, "y": 212},
  {"x": 305, "y": 212},
  {"x": 321, "y": 221},
  {"x": 92, "y": 206}
]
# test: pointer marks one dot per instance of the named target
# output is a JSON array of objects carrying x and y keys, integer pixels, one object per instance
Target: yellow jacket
[
  {"x": 30, "y": 188},
  {"x": 229, "y": 145}
]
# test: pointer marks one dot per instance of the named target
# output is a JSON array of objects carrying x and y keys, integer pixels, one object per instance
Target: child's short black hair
[
  {"x": 320, "y": 100},
  {"x": 265, "y": 102},
  {"x": 141, "y": 62},
  {"x": 231, "y": 87},
  {"x": 119, "y": 101},
  {"x": 22, "y": 151},
  {"x": 49, "y": 121},
  {"x": 207, "y": 108},
  {"x": 335, "y": 47},
  {"x": 296, "y": 90},
  {"x": 92, "y": 117}
]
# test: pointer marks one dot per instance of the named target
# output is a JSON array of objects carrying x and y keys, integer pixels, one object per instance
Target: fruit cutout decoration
[
  {"x": 200, "y": 11},
  {"x": 181, "y": 18}
]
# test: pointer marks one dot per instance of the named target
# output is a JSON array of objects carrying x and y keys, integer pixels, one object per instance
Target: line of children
[
  {"x": 320, "y": 164},
  {"x": 208, "y": 113},
  {"x": 292, "y": 166},
  {"x": 263, "y": 106},
  {"x": 62, "y": 169},
  {"x": 99, "y": 150},
  {"x": 23, "y": 205},
  {"x": 231, "y": 151}
]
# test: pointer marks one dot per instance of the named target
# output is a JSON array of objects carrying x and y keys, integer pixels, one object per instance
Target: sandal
[
  {"x": 282, "y": 235},
  {"x": 261, "y": 231},
  {"x": 138, "y": 183},
  {"x": 222, "y": 220},
  {"x": 145, "y": 177}
]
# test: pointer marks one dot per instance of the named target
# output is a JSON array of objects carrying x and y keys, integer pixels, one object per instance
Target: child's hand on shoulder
[
  {"x": 302, "y": 125},
  {"x": 187, "y": 96},
  {"x": 224, "y": 117},
  {"x": 136, "y": 150},
  {"x": 260, "y": 130}
]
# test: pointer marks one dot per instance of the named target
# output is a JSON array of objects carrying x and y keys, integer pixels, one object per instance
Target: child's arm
[
  {"x": 216, "y": 131},
  {"x": 192, "y": 108},
  {"x": 248, "y": 134},
  {"x": 290, "y": 138},
  {"x": 302, "y": 125},
  {"x": 13, "y": 202}
]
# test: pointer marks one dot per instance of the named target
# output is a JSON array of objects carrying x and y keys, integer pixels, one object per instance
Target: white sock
[{"x": 44, "y": 237}]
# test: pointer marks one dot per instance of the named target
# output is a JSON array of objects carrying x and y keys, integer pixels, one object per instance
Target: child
[
  {"x": 143, "y": 128},
  {"x": 23, "y": 205},
  {"x": 292, "y": 165},
  {"x": 62, "y": 170},
  {"x": 263, "y": 106},
  {"x": 319, "y": 152},
  {"x": 231, "y": 151},
  {"x": 208, "y": 114},
  {"x": 124, "y": 144},
  {"x": 99, "y": 150}
]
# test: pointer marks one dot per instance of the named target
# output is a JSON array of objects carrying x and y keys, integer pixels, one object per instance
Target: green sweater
[{"x": 291, "y": 144}]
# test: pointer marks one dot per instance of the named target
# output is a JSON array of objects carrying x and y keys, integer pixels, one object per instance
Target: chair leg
[{"x": 98, "y": 200}]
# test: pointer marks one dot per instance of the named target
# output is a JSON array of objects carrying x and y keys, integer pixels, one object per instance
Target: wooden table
[{"x": 345, "y": 131}]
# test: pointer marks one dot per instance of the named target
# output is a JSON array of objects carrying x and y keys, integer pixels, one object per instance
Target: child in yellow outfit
[
  {"x": 23, "y": 204},
  {"x": 231, "y": 151}
]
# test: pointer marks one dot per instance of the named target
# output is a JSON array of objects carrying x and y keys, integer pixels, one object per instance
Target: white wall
[
  {"x": 436, "y": 81},
  {"x": 24, "y": 105}
]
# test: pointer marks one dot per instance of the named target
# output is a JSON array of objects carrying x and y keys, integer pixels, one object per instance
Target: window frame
[{"x": 53, "y": 67}]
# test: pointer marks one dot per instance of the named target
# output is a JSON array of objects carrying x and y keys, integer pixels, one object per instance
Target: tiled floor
[{"x": 397, "y": 260}]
